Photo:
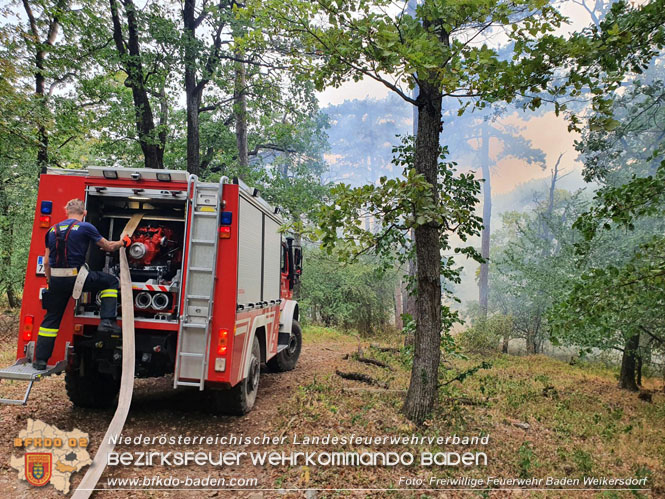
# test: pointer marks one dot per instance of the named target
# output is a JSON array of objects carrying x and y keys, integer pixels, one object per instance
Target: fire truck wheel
[
  {"x": 91, "y": 390},
  {"x": 286, "y": 359},
  {"x": 240, "y": 399}
]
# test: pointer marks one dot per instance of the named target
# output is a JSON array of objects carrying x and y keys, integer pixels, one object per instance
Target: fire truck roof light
[
  {"x": 46, "y": 207},
  {"x": 227, "y": 218},
  {"x": 110, "y": 174},
  {"x": 164, "y": 177},
  {"x": 45, "y": 221}
]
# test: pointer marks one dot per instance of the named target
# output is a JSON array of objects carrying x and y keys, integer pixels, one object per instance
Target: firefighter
[{"x": 66, "y": 246}]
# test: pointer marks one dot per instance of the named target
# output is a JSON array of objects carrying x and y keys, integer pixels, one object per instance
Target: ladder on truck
[{"x": 194, "y": 332}]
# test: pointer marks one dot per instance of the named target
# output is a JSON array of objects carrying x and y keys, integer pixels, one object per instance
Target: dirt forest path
[{"x": 156, "y": 410}]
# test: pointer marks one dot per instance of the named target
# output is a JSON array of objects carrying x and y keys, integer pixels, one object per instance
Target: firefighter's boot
[
  {"x": 40, "y": 365},
  {"x": 109, "y": 326},
  {"x": 109, "y": 299},
  {"x": 44, "y": 346}
]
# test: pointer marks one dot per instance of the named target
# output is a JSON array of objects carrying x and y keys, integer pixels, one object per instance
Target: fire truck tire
[
  {"x": 287, "y": 359},
  {"x": 240, "y": 399},
  {"x": 93, "y": 390}
]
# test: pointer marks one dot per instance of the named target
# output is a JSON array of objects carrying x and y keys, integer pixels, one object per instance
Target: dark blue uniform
[
  {"x": 68, "y": 243},
  {"x": 78, "y": 240}
]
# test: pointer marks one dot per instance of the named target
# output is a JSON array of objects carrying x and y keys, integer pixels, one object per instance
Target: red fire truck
[{"x": 212, "y": 281}]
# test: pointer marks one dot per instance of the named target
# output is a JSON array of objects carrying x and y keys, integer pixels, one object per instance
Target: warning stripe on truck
[{"x": 151, "y": 287}]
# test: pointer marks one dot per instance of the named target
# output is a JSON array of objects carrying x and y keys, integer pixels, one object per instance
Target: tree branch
[{"x": 273, "y": 147}]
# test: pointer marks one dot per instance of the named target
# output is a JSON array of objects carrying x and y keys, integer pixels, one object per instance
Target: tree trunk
[
  {"x": 409, "y": 303},
  {"x": 130, "y": 56},
  {"x": 546, "y": 233},
  {"x": 40, "y": 69},
  {"x": 40, "y": 80},
  {"x": 240, "y": 110},
  {"x": 530, "y": 343},
  {"x": 398, "y": 305},
  {"x": 6, "y": 262},
  {"x": 410, "y": 298},
  {"x": 192, "y": 91},
  {"x": 640, "y": 361},
  {"x": 506, "y": 341},
  {"x": 483, "y": 281},
  {"x": 163, "y": 118},
  {"x": 12, "y": 299},
  {"x": 629, "y": 364},
  {"x": 193, "y": 85},
  {"x": 533, "y": 344},
  {"x": 421, "y": 395},
  {"x": 193, "y": 145}
]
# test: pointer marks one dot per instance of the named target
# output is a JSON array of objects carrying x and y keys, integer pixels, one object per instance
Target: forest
[{"x": 405, "y": 241}]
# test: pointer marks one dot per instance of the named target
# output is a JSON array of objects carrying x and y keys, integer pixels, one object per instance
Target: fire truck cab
[{"x": 212, "y": 279}]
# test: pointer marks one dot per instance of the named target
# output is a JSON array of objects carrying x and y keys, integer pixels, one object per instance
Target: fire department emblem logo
[
  {"x": 50, "y": 455},
  {"x": 37, "y": 468}
]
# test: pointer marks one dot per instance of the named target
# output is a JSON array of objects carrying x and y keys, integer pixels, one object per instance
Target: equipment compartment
[{"x": 155, "y": 255}]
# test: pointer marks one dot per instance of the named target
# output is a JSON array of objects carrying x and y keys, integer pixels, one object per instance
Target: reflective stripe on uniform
[
  {"x": 63, "y": 272},
  {"x": 48, "y": 332},
  {"x": 109, "y": 293}
]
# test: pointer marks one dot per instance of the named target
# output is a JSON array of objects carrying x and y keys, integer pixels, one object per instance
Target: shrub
[
  {"x": 357, "y": 296},
  {"x": 484, "y": 336}
]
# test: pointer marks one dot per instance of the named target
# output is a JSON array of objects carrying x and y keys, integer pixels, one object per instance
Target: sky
[{"x": 547, "y": 132}]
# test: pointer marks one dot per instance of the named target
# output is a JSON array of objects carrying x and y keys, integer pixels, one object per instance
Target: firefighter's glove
[{"x": 126, "y": 241}]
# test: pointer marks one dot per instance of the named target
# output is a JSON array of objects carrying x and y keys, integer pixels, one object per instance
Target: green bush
[
  {"x": 355, "y": 296},
  {"x": 485, "y": 335}
]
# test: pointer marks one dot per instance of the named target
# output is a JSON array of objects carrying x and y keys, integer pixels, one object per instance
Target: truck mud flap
[{"x": 22, "y": 370}]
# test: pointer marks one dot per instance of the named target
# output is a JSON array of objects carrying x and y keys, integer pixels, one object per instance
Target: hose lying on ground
[{"x": 98, "y": 465}]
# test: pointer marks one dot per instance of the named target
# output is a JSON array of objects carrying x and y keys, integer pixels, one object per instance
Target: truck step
[
  {"x": 201, "y": 269},
  {"x": 195, "y": 325},
  {"x": 188, "y": 383},
  {"x": 190, "y": 354},
  {"x": 198, "y": 297},
  {"x": 22, "y": 370},
  {"x": 203, "y": 241},
  {"x": 206, "y": 213}
]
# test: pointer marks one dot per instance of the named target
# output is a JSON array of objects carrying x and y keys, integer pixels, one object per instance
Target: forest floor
[{"x": 543, "y": 417}]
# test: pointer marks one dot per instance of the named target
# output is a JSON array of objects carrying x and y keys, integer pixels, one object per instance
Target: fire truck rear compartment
[
  {"x": 155, "y": 255},
  {"x": 155, "y": 260}
]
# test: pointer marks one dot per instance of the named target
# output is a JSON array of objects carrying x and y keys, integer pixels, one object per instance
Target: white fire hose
[{"x": 98, "y": 465}]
